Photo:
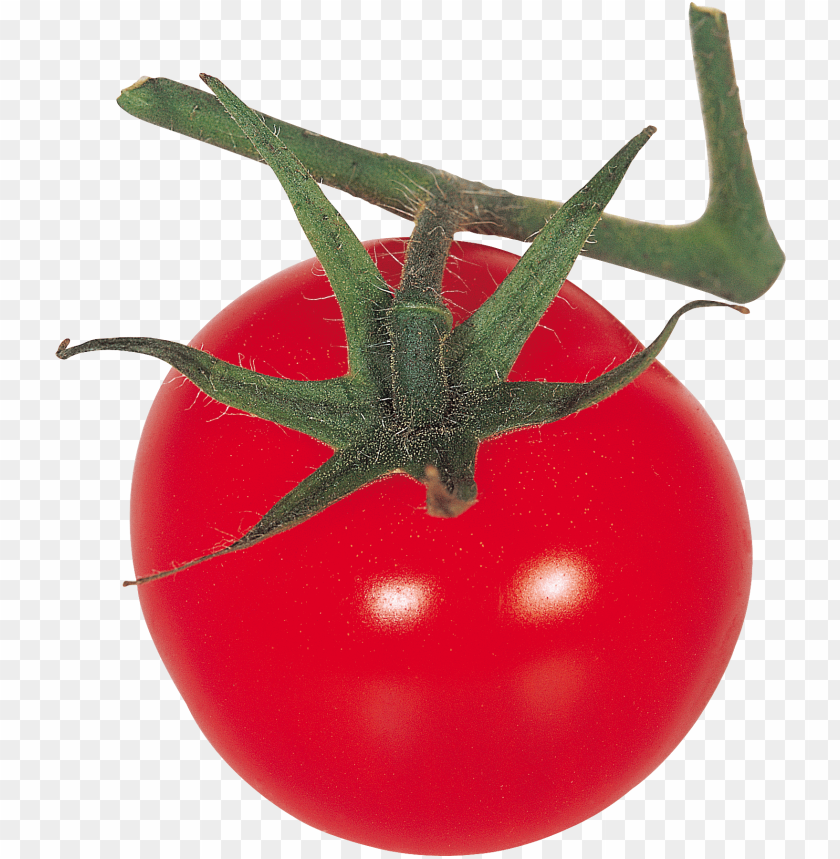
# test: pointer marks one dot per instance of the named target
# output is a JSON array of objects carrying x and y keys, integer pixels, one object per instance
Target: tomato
[{"x": 444, "y": 686}]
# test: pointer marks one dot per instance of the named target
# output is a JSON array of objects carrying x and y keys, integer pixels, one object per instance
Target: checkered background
[{"x": 110, "y": 225}]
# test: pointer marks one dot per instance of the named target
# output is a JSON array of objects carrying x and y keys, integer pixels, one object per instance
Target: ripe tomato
[{"x": 444, "y": 686}]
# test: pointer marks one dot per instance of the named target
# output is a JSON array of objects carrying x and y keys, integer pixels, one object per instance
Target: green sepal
[
  {"x": 507, "y": 406},
  {"x": 483, "y": 349},
  {"x": 342, "y": 474},
  {"x": 362, "y": 293},
  {"x": 330, "y": 411}
]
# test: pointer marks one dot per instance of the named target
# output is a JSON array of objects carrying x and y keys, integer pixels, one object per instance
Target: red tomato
[{"x": 444, "y": 686}]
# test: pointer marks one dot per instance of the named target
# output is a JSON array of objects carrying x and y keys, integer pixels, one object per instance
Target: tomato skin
[{"x": 438, "y": 686}]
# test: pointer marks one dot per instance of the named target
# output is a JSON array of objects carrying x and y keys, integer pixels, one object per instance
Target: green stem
[
  {"x": 419, "y": 320},
  {"x": 729, "y": 252},
  {"x": 426, "y": 255},
  {"x": 385, "y": 180}
]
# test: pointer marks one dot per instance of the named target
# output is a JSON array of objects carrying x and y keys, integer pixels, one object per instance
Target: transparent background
[{"x": 111, "y": 225}]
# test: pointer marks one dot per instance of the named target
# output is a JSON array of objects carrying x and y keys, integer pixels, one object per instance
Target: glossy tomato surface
[{"x": 439, "y": 686}]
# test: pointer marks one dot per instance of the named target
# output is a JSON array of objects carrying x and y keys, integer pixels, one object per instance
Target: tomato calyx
[{"x": 420, "y": 395}]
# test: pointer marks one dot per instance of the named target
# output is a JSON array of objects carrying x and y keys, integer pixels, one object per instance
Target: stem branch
[{"x": 730, "y": 251}]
